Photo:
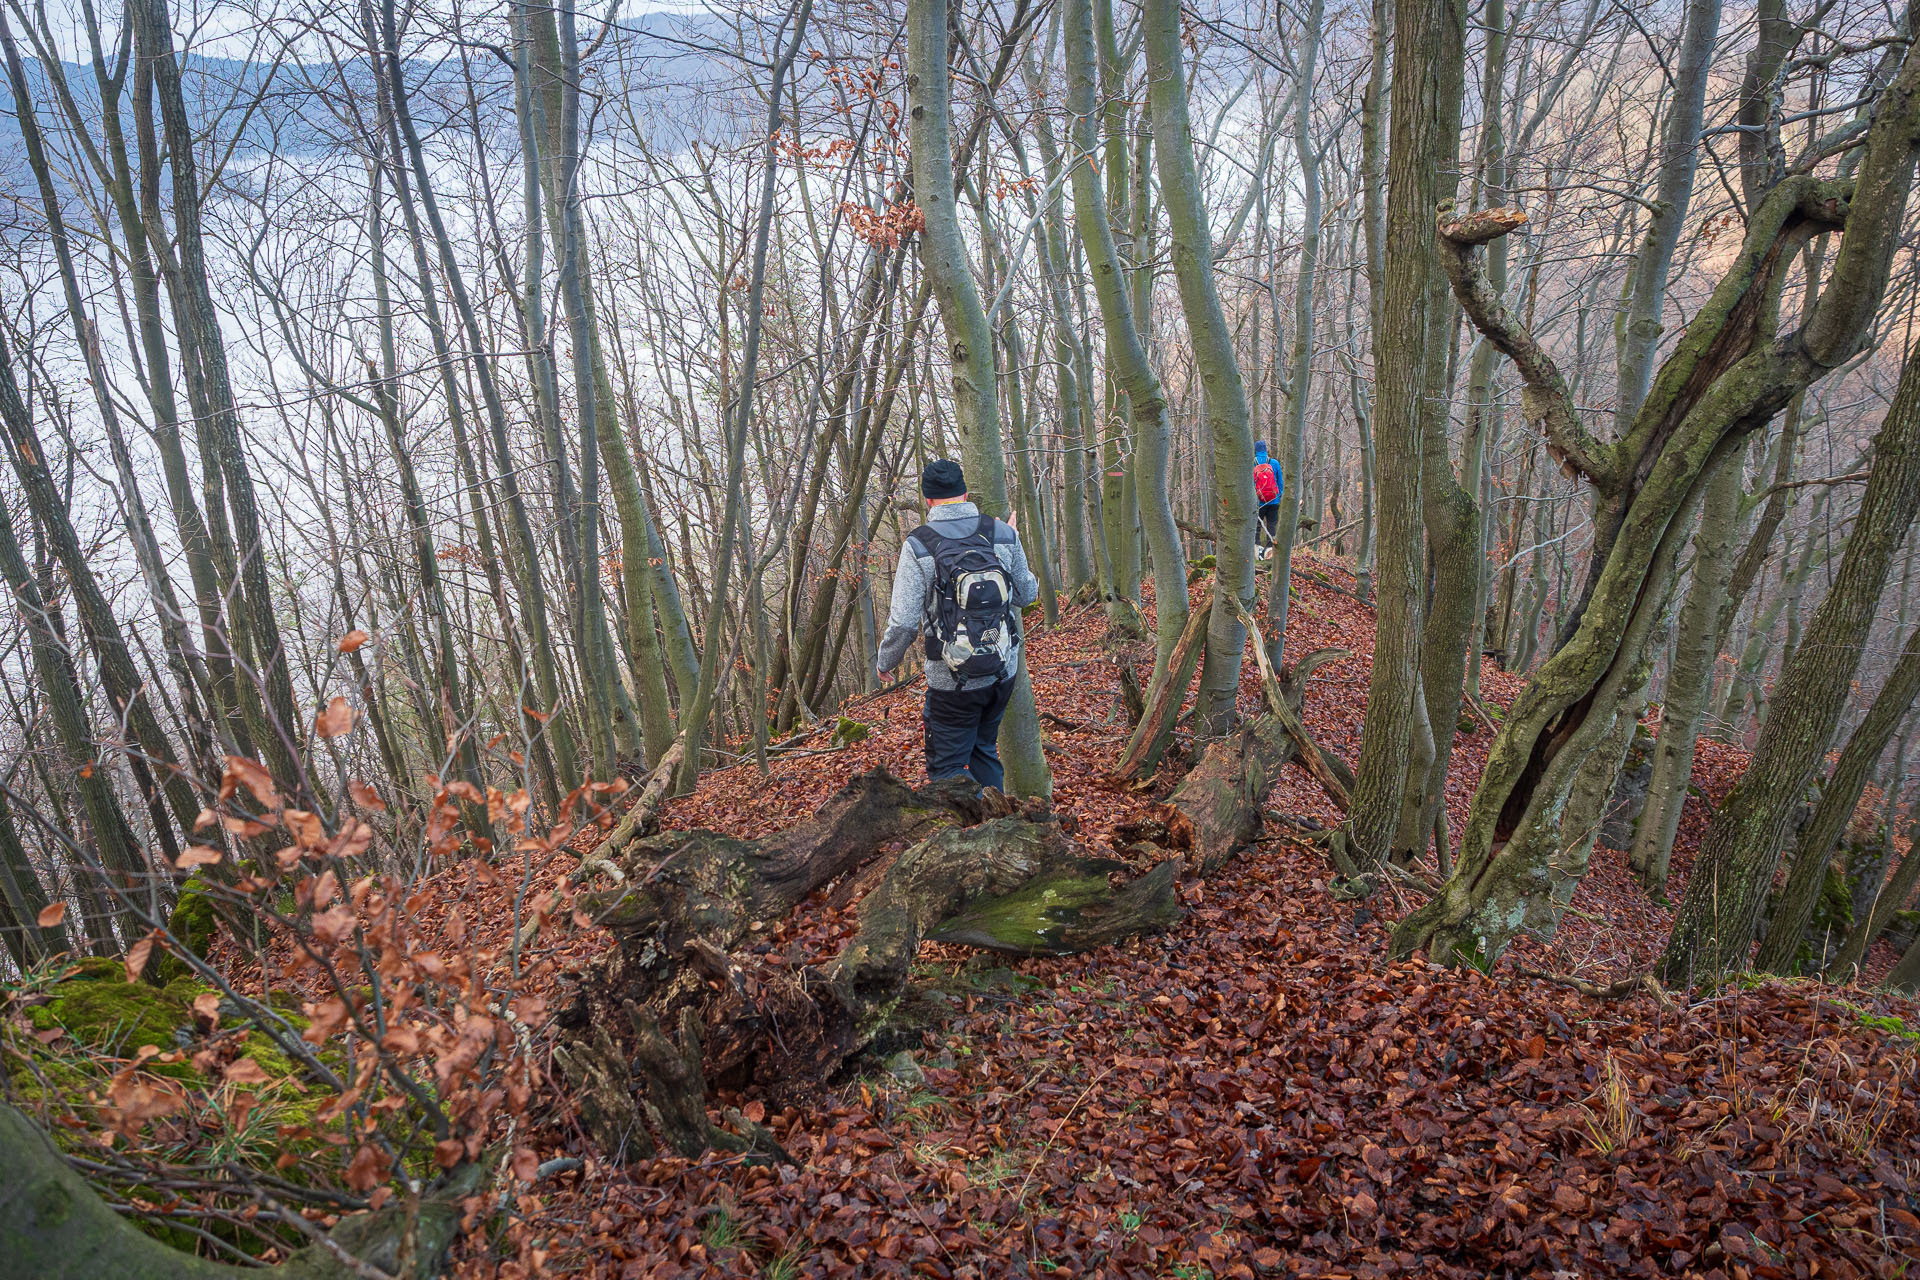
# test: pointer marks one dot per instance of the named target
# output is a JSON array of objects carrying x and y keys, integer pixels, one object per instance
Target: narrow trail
[{"x": 1256, "y": 1093}]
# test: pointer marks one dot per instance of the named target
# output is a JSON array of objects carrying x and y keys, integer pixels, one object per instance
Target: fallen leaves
[{"x": 1255, "y": 1093}]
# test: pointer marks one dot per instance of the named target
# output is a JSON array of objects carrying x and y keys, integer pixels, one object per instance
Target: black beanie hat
[{"x": 943, "y": 479}]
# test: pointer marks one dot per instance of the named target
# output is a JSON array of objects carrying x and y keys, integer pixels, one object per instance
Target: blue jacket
[{"x": 1279, "y": 476}]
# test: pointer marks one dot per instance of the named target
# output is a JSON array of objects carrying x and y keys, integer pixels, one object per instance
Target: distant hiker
[
  {"x": 1268, "y": 485},
  {"x": 961, "y": 583}
]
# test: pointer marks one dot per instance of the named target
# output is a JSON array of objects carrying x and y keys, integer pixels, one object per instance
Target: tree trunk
[
  {"x": 1219, "y": 373},
  {"x": 1679, "y": 148},
  {"x": 943, "y": 255},
  {"x": 1428, "y": 38},
  {"x": 1126, "y": 354},
  {"x": 59, "y": 1229},
  {"x": 210, "y": 391},
  {"x": 1868, "y": 925},
  {"x": 1795, "y": 903},
  {"x": 1689, "y": 680},
  {"x": 1904, "y": 977},
  {"x": 1293, "y": 444},
  {"x": 27, "y": 940},
  {"x": 1727, "y": 377},
  {"x": 1735, "y": 866}
]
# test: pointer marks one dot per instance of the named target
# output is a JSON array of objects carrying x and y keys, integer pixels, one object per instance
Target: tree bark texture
[
  {"x": 1729, "y": 374},
  {"x": 1735, "y": 866},
  {"x": 1425, "y": 34},
  {"x": 1219, "y": 373}
]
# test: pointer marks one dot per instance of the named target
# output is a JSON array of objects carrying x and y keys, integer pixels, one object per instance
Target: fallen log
[
  {"x": 679, "y": 884},
  {"x": 1012, "y": 886},
  {"x": 681, "y": 1006},
  {"x": 635, "y": 820},
  {"x": 1328, "y": 769},
  {"x": 1215, "y": 810}
]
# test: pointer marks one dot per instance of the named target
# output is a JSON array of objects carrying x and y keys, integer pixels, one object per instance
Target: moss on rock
[
  {"x": 192, "y": 925},
  {"x": 847, "y": 731},
  {"x": 96, "y": 1005}
]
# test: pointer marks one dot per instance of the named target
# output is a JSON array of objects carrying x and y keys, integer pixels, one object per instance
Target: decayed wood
[
  {"x": 1215, "y": 811},
  {"x": 1010, "y": 885},
  {"x": 1132, "y": 700},
  {"x": 600, "y": 1084},
  {"x": 677, "y": 1093},
  {"x": 691, "y": 1012},
  {"x": 636, "y": 818},
  {"x": 1328, "y": 769},
  {"x": 1164, "y": 699},
  {"x": 681, "y": 884}
]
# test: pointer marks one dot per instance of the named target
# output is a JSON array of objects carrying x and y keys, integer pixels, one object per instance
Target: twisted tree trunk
[{"x": 1730, "y": 373}]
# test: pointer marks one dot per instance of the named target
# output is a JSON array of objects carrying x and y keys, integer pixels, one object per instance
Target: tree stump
[{"x": 1215, "y": 811}]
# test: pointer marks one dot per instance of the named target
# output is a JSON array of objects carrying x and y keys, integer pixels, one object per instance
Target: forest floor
[{"x": 1256, "y": 1092}]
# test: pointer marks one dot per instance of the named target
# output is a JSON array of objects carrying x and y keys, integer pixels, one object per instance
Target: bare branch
[{"x": 1545, "y": 398}]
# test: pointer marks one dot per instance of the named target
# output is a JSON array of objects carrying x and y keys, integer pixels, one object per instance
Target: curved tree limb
[{"x": 1545, "y": 398}]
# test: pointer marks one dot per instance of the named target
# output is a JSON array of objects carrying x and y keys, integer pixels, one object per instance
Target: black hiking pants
[{"x": 963, "y": 727}]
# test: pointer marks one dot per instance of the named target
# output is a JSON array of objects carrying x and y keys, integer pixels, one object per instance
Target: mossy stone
[
  {"x": 192, "y": 926},
  {"x": 101, "y": 1010}
]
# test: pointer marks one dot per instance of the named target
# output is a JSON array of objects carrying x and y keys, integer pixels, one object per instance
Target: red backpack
[{"x": 1265, "y": 484}]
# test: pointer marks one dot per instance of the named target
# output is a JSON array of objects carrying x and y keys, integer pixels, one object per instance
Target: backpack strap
[{"x": 984, "y": 529}]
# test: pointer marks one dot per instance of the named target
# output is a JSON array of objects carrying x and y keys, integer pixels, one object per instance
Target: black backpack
[{"x": 968, "y": 616}]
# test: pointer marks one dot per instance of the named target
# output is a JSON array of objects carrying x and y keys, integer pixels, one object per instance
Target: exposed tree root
[
  {"x": 1610, "y": 991},
  {"x": 694, "y": 1013}
]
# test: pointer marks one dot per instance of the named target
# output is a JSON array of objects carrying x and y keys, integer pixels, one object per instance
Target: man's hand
[{"x": 881, "y": 672}]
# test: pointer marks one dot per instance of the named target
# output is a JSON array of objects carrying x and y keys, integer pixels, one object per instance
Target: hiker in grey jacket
[{"x": 962, "y": 713}]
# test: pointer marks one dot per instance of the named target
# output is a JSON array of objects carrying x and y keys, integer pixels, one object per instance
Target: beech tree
[
  {"x": 943, "y": 253},
  {"x": 1732, "y": 370}
]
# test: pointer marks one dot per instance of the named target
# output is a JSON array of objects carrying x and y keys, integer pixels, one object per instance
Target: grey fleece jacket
[{"x": 913, "y": 579}]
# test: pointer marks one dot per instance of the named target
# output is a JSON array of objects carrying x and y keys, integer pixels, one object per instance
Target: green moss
[
  {"x": 192, "y": 926},
  {"x": 1836, "y": 900},
  {"x": 102, "y": 1011},
  {"x": 847, "y": 731},
  {"x": 1031, "y": 921},
  {"x": 1894, "y": 1026}
]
